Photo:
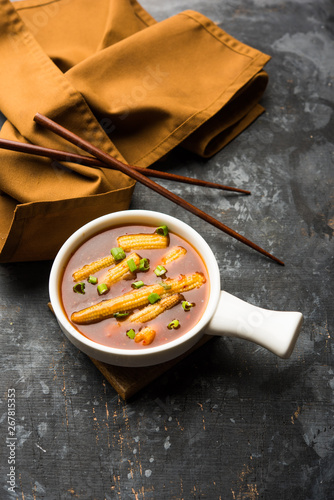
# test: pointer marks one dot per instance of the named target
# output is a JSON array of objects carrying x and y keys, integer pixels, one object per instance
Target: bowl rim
[{"x": 117, "y": 218}]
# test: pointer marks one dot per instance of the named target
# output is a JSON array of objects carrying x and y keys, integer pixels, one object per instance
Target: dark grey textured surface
[{"x": 232, "y": 421}]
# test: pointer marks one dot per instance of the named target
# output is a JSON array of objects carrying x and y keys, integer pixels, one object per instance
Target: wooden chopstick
[
  {"x": 138, "y": 176},
  {"x": 55, "y": 154}
]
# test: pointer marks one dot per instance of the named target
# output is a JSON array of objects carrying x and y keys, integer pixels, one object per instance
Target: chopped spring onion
[
  {"x": 187, "y": 305},
  {"x": 160, "y": 270},
  {"x": 118, "y": 253},
  {"x": 132, "y": 265},
  {"x": 79, "y": 288},
  {"x": 144, "y": 265},
  {"x": 153, "y": 297},
  {"x": 92, "y": 279},
  {"x": 173, "y": 324},
  {"x": 162, "y": 230},
  {"x": 137, "y": 284},
  {"x": 102, "y": 289},
  {"x": 121, "y": 315},
  {"x": 131, "y": 333},
  {"x": 165, "y": 286}
]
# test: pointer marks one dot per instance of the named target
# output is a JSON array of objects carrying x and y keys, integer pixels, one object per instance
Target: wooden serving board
[{"x": 128, "y": 381}]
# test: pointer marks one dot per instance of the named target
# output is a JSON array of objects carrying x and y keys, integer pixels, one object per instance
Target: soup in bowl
[{"x": 138, "y": 288}]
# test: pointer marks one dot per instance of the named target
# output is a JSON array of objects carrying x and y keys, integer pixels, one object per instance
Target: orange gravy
[{"x": 112, "y": 332}]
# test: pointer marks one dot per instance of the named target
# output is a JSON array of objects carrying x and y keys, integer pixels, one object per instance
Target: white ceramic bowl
[{"x": 224, "y": 314}]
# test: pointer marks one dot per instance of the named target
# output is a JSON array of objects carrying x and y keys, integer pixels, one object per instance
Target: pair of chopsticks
[
  {"x": 103, "y": 159},
  {"x": 55, "y": 154}
]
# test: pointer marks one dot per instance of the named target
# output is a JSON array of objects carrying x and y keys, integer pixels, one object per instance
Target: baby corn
[
  {"x": 173, "y": 254},
  {"x": 120, "y": 270},
  {"x": 153, "y": 310},
  {"x": 136, "y": 298},
  {"x": 107, "y": 308},
  {"x": 142, "y": 241},
  {"x": 185, "y": 283},
  {"x": 92, "y": 268},
  {"x": 146, "y": 335}
]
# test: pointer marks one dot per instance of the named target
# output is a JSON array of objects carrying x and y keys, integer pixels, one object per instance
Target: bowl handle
[{"x": 275, "y": 330}]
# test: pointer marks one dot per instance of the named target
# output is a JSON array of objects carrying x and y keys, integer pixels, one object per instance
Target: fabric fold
[{"x": 134, "y": 87}]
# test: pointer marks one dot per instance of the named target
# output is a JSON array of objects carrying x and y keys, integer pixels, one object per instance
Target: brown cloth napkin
[{"x": 134, "y": 87}]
